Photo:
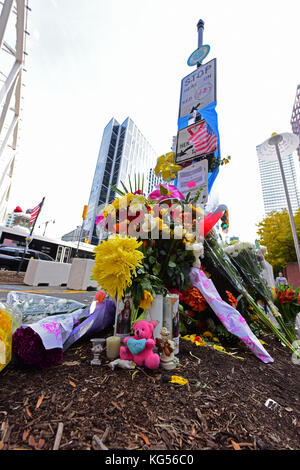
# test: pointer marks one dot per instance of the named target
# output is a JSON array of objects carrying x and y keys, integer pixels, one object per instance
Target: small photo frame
[{"x": 123, "y": 316}]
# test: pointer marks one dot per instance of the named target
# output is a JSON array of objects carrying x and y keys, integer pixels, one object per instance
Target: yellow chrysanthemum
[
  {"x": 123, "y": 202},
  {"x": 147, "y": 300},
  {"x": 115, "y": 263}
]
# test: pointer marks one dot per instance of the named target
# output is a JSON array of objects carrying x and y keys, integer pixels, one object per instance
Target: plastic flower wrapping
[{"x": 41, "y": 343}]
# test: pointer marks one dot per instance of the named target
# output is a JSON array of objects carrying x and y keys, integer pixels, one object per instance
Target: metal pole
[
  {"x": 76, "y": 253},
  {"x": 292, "y": 222},
  {"x": 31, "y": 232},
  {"x": 200, "y": 27}
]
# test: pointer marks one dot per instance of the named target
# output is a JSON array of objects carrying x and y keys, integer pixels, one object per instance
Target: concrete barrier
[
  {"x": 80, "y": 273},
  {"x": 50, "y": 273}
]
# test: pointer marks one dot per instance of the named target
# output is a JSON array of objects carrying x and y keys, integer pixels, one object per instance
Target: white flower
[{"x": 148, "y": 223}]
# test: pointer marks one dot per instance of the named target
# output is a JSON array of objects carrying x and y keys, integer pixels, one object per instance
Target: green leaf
[
  {"x": 171, "y": 264},
  {"x": 152, "y": 260},
  {"x": 129, "y": 178},
  {"x": 163, "y": 190},
  {"x": 156, "y": 268},
  {"x": 118, "y": 191},
  {"x": 125, "y": 189}
]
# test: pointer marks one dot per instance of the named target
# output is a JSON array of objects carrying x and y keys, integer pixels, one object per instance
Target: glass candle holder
[
  {"x": 113, "y": 344},
  {"x": 97, "y": 349}
]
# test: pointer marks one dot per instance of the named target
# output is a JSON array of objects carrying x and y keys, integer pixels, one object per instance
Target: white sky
[{"x": 90, "y": 60}]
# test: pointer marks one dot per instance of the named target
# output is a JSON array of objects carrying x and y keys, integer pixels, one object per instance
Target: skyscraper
[
  {"x": 124, "y": 151},
  {"x": 272, "y": 187},
  {"x": 295, "y": 119}
]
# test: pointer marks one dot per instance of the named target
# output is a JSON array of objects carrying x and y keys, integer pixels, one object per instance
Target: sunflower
[{"x": 115, "y": 263}]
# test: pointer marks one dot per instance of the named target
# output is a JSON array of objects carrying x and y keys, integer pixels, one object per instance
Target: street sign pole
[{"x": 200, "y": 27}]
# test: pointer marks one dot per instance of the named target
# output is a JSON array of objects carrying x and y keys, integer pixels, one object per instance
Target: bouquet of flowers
[
  {"x": 248, "y": 261},
  {"x": 43, "y": 342},
  {"x": 287, "y": 300},
  {"x": 223, "y": 262}
]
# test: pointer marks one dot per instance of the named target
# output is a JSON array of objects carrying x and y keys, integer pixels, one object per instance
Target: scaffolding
[{"x": 13, "y": 24}]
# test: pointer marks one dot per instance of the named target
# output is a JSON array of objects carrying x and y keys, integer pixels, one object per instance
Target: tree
[{"x": 275, "y": 232}]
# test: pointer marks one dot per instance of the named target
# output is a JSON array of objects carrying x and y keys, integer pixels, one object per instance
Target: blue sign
[{"x": 198, "y": 55}]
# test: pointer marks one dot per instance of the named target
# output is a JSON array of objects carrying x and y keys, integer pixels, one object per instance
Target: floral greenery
[
  {"x": 214, "y": 162},
  {"x": 144, "y": 281},
  {"x": 168, "y": 260}
]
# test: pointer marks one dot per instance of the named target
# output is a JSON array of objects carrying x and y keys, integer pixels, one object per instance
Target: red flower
[
  {"x": 175, "y": 291},
  {"x": 286, "y": 296}
]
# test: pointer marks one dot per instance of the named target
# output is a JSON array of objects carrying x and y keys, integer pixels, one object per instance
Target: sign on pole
[
  {"x": 198, "y": 89},
  {"x": 192, "y": 178},
  {"x": 194, "y": 141},
  {"x": 198, "y": 55}
]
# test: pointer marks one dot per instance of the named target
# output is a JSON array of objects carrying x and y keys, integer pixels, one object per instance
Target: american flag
[
  {"x": 202, "y": 138},
  {"x": 34, "y": 213}
]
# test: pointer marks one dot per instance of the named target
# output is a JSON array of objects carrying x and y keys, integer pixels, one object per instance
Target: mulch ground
[
  {"x": 221, "y": 407},
  {"x": 11, "y": 277}
]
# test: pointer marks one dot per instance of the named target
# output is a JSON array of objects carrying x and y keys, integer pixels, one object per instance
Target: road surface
[{"x": 85, "y": 297}]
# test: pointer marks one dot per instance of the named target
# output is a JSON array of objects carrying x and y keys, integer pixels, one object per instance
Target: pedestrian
[{"x": 281, "y": 280}]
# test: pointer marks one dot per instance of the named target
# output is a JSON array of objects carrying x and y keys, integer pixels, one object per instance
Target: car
[{"x": 11, "y": 256}]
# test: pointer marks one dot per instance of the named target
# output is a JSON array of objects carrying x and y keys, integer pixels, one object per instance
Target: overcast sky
[{"x": 90, "y": 60}]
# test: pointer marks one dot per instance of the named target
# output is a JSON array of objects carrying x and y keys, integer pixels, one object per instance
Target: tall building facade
[
  {"x": 124, "y": 151},
  {"x": 295, "y": 119},
  {"x": 272, "y": 187}
]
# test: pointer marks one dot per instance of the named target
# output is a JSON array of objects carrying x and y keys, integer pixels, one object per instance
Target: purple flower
[{"x": 28, "y": 347}]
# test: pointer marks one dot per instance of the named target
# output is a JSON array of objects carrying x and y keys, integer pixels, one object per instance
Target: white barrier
[
  {"x": 80, "y": 273},
  {"x": 49, "y": 273}
]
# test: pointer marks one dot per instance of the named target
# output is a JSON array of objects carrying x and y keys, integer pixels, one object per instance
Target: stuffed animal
[{"x": 139, "y": 348}]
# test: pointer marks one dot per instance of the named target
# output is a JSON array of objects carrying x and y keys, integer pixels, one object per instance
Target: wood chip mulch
[{"x": 76, "y": 406}]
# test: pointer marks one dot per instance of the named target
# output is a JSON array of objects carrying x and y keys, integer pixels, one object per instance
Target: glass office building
[
  {"x": 124, "y": 151},
  {"x": 272, "y": 186},
  {"x": 295, "y": 119}
]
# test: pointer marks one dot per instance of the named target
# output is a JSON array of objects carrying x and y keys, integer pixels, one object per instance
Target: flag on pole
[
  {"x": 34, "y": 212},
  {"x": 203, "y": 139}
]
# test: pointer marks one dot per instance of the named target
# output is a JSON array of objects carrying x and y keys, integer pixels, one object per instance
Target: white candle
[{"x": 113, "y": 347}]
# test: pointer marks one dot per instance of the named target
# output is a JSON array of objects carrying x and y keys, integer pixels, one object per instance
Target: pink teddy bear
[{"x": 139, "y": 348}]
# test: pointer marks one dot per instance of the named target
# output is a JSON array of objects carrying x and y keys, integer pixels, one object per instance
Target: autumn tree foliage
[{"x": 275, "y": 232}]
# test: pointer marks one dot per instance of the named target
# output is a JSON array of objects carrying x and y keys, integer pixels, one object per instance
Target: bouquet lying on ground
[
  {"x": 237, "y": 277},
  {"x": 43, "y": 342}
]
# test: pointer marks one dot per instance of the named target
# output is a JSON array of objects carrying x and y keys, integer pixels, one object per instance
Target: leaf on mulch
[
  {"x": 235, "y": 445},
  {"x": 145, "y": 438},
  {"x": 39, "y": 402},
  {"x": 28, "y": 411},
  {"x": 72, "y": 384},
  {"x": 25, "y": 434},
  {"x": 36, "y": 445},
  {"x": 176, "y": 379}
]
